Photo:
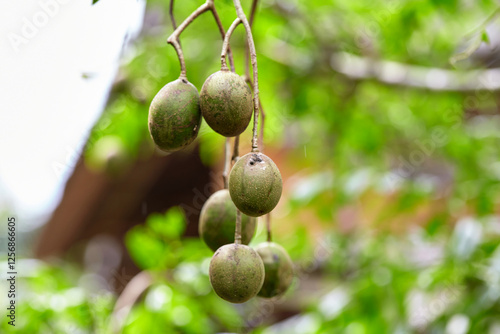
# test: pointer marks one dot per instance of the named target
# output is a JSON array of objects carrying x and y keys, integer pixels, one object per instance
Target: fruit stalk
[
  {"x": 268, "y": 227},
  {"x": 253, "y": 58},
  {"x": 247, "y": 53},
  {"x": 236, "y": 150},
  {"x": 227, "y": 162},
  {"x": 237, "y": 230},
  {"x": 225, "y": 45}
]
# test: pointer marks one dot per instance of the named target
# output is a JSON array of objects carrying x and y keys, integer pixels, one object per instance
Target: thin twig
[
  {"x": 253, "y": 58},
  {"x": 227, "y": 162},
  {"x": 174, "y": 38},
  {"x": 237, "y": 230},
  {"x": 225, "y": 44}
]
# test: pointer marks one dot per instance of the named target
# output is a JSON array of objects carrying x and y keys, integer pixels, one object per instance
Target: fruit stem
[
  {"x": 253, "y": 58},
  {"x": 247, "y": 53},
  {"x": 227, "y": 162},
  {"x": 237, "y": 230},
  {"x": 173, "y": 39},
  {"x": 236, "y": 150},
  {"x": 225, "y": 45},
  {"x": 268, "y": 227}
]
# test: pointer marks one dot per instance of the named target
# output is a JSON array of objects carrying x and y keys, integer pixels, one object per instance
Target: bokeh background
[{"x": 383, "y": 117}]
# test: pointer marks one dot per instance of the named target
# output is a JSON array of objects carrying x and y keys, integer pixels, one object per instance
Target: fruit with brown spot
[
  {"x": 255, "y": 184},
  {"x": 226, "y": 103}
]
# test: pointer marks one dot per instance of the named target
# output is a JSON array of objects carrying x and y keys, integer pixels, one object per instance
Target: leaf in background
[
  {"x": 485, "y": 38},
  {"x": 169, "y": 226},
  {"x": 94, "y": 2},
  {"x": 145, "y": 249}
]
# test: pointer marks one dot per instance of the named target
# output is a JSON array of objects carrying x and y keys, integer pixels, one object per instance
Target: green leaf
[
  {"x": 485, "y": 38},
  {"x": 169, "y": 226},
  {"x": 94, "y": 2},
  {"x": 144, "y": 248}
]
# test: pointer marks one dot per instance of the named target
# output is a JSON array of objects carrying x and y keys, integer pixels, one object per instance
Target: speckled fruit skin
[
  {"x": 218, "y": 221},
  {"x": 175, "y": 116},
  {"x": 255, "y": 184},
  {"x": 278, "y": 267},
  {"x": 226, "y": 103},
  {"x": 236, "y": 273}
]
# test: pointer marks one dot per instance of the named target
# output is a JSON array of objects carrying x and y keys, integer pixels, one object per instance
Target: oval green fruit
[
  {"x": 226, "y": 103},
  {"x": 175, "y": 116},
  {"x": 236, "y": 273},
  {"x": 218, "y": 221},
  {"x": 255, "y": 184},
  {"x": 278, "y": 268}
]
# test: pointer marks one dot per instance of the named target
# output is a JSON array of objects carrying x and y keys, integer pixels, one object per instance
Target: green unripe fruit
[
  {"x": 218, "y": 221},
  {"x": 278, "y": 267},
  {"x": 255, "y": 184},
  {"x": 236, "y": 273},
  {"x": 175, "y": 116},
  {"x": 226, "y": 103}
]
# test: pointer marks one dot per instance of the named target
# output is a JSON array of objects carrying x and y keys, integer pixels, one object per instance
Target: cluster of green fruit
[{"x": 237, "y": 272}]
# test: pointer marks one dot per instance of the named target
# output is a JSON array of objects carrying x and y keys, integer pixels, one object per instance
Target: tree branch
[{"x": 394, "y": 73}]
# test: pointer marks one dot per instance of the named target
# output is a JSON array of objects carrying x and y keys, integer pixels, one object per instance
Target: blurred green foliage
[{"x": 402, "y": 183}]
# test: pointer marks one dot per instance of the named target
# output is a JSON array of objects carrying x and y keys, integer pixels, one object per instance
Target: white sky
[{"x": 46, "y": 107}]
